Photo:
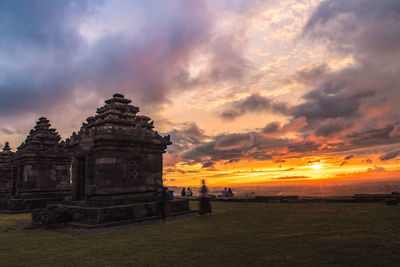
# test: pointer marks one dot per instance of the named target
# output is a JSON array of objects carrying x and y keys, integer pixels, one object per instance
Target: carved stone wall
[
  {"x": 117, "y": 153},
  {"x": 116, "y": 172},
  {"x": 6, "y": 170},
  {"x": 42, "y": 163}
]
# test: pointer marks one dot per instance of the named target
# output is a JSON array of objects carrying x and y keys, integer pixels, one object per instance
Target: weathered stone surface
[
  {"x": 33, "y": 203},
  {"x": 6, "y": 171},
  {"x": 40, "y": 170},
  {"x": 116, "y": 170},
  {"x": 84, "y": 216},
  {"x": 54, "y": 214},
  {"x": 116, "y": 152},
  {"x": 42, "y": 161}
]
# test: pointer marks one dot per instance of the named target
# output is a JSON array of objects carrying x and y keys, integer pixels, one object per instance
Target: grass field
[{"x": 236, "y": 234}]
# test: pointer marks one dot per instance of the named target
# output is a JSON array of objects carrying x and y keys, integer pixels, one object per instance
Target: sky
[{"x": 253, "y": 93}]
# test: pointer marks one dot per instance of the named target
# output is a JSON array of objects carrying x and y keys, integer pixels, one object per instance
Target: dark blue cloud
[
  {"x": 252, "y": 103},
  {"x": 39, "y": 41},
  {"x": 41, "y": 25},
  {"x": 390, "y": 155},
  {"x": 367, "y": 28}
]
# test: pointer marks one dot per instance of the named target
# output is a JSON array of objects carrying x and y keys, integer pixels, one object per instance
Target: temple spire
[
  {"x": 118, "y": 98},
  {"x": 41, "y": 138},
  {"x": 6, "y": 147}
]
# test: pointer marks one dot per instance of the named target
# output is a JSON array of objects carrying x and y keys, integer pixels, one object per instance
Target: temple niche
[
  {"x": 41, "y": 170},
  {"x": 116, "y": 170},
  {"x": 6, "y": 173}
]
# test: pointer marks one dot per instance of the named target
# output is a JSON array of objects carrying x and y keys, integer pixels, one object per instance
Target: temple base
[
  {"x": 81, "y": 216},
  {"x": 29, "y": 202}
]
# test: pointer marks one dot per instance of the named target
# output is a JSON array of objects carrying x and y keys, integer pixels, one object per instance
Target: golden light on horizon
[{"x": 316, "y": 166}]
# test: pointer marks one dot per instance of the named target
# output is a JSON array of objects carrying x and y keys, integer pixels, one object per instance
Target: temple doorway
[{"x": 80, "y": 179}]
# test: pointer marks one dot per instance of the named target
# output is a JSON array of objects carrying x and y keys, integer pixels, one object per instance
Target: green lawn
[{"x": 236, "y": 234}]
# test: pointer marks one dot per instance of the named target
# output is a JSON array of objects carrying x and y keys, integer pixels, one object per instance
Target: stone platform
[
  {"x": 79, "y": 215},
  {"x": 29, "y": 202}
]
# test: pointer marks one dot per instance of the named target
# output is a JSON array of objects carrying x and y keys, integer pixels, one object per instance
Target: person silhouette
[
  {"x": 162, "y": 199},
  {"x": 224, "y": 192},
  {"x": 230, "y": 193},
  {"x": 205, "y": 206},
  {"x": 189, "y": 192}
]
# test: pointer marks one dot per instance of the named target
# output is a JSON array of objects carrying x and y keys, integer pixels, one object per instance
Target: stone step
[{"x": 125, "y": 222}]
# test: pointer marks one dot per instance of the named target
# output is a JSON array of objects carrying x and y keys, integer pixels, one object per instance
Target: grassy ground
[{"x": 236, "y": 234}]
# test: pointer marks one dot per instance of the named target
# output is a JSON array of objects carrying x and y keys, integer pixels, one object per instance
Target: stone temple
[
  {"x": 40, "y": 170},
  {"x": 6, "y": 173},
  {"x": 117, "y": 168}
]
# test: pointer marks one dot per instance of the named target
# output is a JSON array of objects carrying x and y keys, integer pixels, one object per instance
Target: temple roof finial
[
  {"x": 118, "y": 95},
  {"x": 119, "y": 98}
]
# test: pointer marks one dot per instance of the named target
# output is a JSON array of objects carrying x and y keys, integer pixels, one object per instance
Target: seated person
[
  {"x": 224, "y": 192},
  {"x": 189, "y": 192},
  {"x": 230, "y": 193},
  {"x": 183, "y": 193}
]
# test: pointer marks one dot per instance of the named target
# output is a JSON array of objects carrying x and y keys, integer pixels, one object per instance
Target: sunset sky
[{"x": 251, "y": 92}]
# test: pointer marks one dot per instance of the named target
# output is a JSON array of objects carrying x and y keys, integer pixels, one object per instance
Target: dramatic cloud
[
  {"x": 149, "y": 61},
  {"x": 235, "y": 84},
  {"x": 349, "y": 104},
  {"x": 372, "y": 138},
  {"x": 324, "y": 103},
  {"x": 232, "y": 161},
  {"x": 252, "y": 103},
  {"x": 331, "y": 127},
  {"x": 349, "y": 100},
  {"x": 390, "y": 155},
  {"x": 358, "y": 103},
  {"x": 376, "y": 169},
  {"x": 234, "y": 142},
  {"x": 310, "y": 75},
  {"x": 39, "y": 43},
  {"x": 274, "y": 129},
  {"x": 396, "y": 131},
  {"x": 271, "y": 128},
  {"x": 367, "y": 28},
  {"x": 346, "y": 159},
  {"x": 209, "y": 164},
  {"x": 188, "y": 135},
  {"x": 233, "y": 147}
]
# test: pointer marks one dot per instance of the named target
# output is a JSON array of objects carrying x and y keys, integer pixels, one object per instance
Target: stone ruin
[
  {"x": 6, "y": 174},
  {"x": 116, "y": 171},
  {"x": 38, "y": 173}
]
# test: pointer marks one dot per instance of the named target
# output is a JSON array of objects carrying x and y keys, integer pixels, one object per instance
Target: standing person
[
  {"x": 205, "y": 205},
  {"x": 162, "y": 199},
  {"x": 183, "y": 193}
]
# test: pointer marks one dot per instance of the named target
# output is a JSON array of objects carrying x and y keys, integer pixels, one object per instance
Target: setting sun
[{"x": 316, "y": 166}]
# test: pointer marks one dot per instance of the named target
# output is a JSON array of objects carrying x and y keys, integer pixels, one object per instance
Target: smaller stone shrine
[
  {"x": 116, "y": 171},
  {"x": 6, "y": 174},
  {"x": 41, "y": 172}
]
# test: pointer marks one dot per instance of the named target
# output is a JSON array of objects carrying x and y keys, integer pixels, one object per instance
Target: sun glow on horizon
[
  {"x": 316, "y": 166},
  {"x": 308, "y": 170}
]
